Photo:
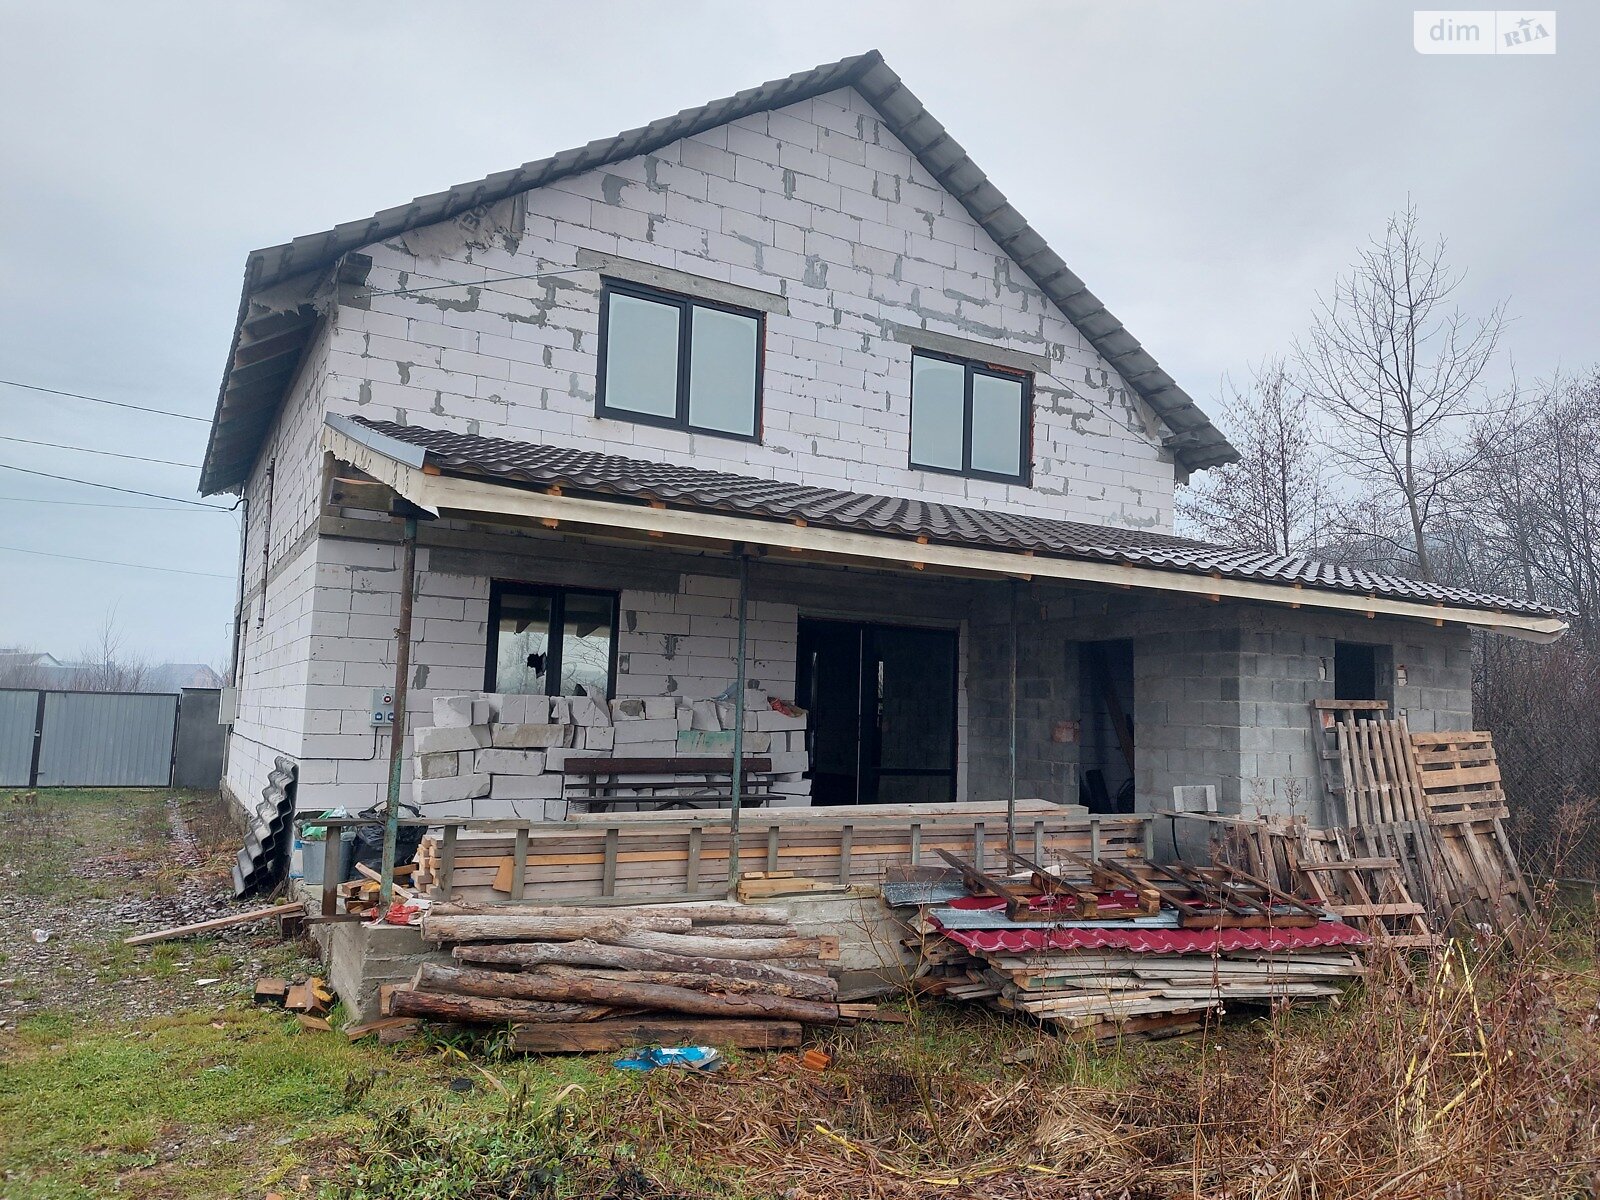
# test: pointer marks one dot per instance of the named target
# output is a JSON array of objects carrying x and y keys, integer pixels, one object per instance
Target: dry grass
[{"x": 1467, "y": 1076}]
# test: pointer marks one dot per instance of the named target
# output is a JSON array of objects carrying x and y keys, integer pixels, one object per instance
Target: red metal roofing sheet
[{"x": 1155, "y": 941}]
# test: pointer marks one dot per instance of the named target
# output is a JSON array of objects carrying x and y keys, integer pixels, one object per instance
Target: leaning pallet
[
  {"x": 1459, "y": 778},
  {"x": 570, "y": 980}
]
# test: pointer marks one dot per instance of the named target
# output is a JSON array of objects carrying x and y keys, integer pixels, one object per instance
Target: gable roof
[
  {"x": 595, "y": 474},
  {"x": 268, "y": 339}
]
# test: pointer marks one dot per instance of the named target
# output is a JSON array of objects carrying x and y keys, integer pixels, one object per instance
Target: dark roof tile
[{"x": 714, "y": 491}]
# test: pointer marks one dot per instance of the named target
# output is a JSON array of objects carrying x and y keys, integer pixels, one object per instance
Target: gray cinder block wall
[{"x": 1222, "y": 692}]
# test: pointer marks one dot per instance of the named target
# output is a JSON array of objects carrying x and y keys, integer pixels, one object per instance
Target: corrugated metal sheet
[
  {"x": 1155, "y": 941},
  {"x": 101, "y": 739},
  {"x": 17, "y": 713},
  {"x": 951, "y": 524},
  {"x": 267, "y": 342}
]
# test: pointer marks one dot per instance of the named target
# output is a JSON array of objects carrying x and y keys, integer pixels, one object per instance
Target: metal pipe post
[
  {"x": 1011, "y": 801},
  {"x": 738, "y": 721},
  {"x": 397, "y": 734}
]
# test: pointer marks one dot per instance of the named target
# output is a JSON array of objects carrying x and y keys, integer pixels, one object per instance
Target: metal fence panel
[
  {"x": 107, "y": 740},
  {"x": 18, "y": 711}
]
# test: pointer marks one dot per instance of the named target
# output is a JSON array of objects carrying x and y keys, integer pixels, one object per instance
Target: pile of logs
[{"x": 597, "y": 979}]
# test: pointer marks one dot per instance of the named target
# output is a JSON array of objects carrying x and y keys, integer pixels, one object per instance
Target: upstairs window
[
  {"x": 550, "y": 641},
  {"x": 968, "y": 418},
  {"x": 684, "y": 363}
]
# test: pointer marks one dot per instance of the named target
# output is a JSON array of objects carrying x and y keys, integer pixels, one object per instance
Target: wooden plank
[
  {"x": 682, "y": 765},
  {"x": 199, "y": 927},
  {"x": 846, "y": 840},
  {"x": 608, "y": 869},
  {"x": 692, "y": 860},
  {"x": 519, "y": 865},
  {"x": 626, "y": 1033},
  {"x": 1350, "y": 705},
  {"x": 447, "y": 861}
]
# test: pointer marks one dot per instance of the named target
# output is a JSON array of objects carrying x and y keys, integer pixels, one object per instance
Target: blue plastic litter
[{"x": 695, "y": 1058}]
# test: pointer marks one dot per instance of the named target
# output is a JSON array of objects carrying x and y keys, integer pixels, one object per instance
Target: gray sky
[{"x": 1205, "y": 166}]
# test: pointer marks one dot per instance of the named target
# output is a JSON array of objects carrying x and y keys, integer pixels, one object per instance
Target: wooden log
[
  {"x": 587, "y": 989},
  {"x": 514, "y": 926},
  {"x": 698, "y": 914},
  {"x": 477, "y": 1010},
  {"x": 747, "y": 931},
  {"x": 814, "y": 988},
  {"x": 178, "y": 931},
  {"x": 715, "y": 947},
  {"x": 626, "y": 958},
  {"x": 626, "y": 1033}
]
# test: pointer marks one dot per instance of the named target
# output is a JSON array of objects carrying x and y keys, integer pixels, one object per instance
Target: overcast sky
[{"x": 1205, "y": 167}]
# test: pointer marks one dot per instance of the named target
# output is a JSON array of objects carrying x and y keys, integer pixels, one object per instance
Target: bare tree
[
  {"x": 1397, "y": 369},
  {"x": 106, "y": 664},
  {"x": 1274, "y": 498}
]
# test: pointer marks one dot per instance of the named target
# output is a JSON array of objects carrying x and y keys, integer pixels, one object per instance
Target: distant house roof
[
  {"x": 949, "y": 524},
  {"x": 268, "y": 338}
]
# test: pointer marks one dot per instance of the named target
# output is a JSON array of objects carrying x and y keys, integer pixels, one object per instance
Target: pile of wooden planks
[
  {"x": 686, "y": 852},
  {"x": 596, "y": 979},
  {"x": 1128, "y": 948},
  {"x": 1120, "y": 994}
]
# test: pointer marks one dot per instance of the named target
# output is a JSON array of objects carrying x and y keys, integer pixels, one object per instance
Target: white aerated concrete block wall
[
  {"x": 498, "y": 768},
  {"x": 819, "y": 207}
]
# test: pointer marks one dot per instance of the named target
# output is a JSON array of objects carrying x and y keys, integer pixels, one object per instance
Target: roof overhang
[{"x": 405, "y": 469}]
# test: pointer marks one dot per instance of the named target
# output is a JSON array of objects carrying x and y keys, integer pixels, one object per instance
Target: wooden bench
[{"x": 685, "y": 782}]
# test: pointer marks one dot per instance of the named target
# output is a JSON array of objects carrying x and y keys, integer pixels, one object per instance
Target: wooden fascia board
[{"x": 440, "y": 493}]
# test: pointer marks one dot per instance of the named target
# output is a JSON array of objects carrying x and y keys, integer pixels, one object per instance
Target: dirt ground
[{"x": 79, "y": 871}]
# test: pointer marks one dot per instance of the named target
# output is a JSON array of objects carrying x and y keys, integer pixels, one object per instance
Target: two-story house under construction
[{"x": 791, "y": 355}]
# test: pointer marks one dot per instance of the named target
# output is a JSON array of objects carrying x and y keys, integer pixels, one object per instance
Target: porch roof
[{"x": 444, "y": 471}]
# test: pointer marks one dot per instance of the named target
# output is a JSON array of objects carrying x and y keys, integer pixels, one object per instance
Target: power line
[
  {"x": 160, "y": 412},
  {"x": 483, "y": 286},
  {"x": 106, "y": 562},
  {"x": 112, "y": 488},
  {"x": 100, "y": 504},
  {"x": 165, "y": 462}
]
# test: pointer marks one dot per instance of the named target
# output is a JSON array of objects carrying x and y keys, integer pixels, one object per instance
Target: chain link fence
[{"x": 1543, "y": 705}]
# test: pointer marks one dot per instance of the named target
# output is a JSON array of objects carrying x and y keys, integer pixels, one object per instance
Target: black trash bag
[{"x": 369, "y": 838}]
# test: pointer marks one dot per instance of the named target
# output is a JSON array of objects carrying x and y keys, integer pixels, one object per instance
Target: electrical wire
[
  {"x": 129, "y": 491},
  {"x": 107, "y": 562},
  {"x": 438, "y": 287},
  {"x": 165, "y": 462},
  {"x": 160, "y": 412},
  {"x": 100, "y": 504}
]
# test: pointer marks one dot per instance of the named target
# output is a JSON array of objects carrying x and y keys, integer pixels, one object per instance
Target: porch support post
[
  {"x": 738, "y": 719},
  {"x": 1011, "y": 800},
  {"x": 397, "y": 734}
]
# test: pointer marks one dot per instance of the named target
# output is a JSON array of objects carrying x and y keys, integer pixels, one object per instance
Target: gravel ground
[{"x": 59, "y": 881}]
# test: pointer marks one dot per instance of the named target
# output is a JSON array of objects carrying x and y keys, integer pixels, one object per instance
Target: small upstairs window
[
  {"x": 680, "y": 362},
  {"x": 968, "y": 418}
]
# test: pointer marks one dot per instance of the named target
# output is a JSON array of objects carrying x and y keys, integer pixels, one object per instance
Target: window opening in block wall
[
  {"x": 684, "y": 363},
  {"x": 970, "y": 418},
  {"x": 1106, "y": 735},
  {"x": 547, "y": 641},
  {"x": 1362, "y": 671}
]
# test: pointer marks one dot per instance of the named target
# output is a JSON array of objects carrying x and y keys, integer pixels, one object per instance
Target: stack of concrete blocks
[{"x": 490, "y": 756}]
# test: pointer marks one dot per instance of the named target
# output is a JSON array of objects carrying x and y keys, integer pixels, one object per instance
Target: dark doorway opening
[
  {"x": 1106, "y": 742},
  {"x": 1362, "y": 672},
  {"x": 882, "y": 704}
]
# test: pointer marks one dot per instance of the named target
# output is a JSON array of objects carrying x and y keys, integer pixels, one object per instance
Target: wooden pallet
[{"x": 1459, "y": 778}]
